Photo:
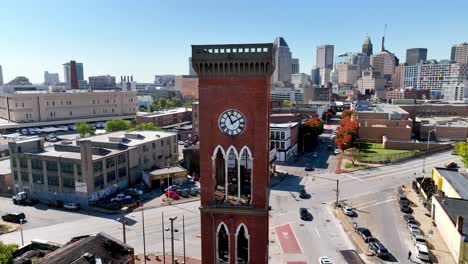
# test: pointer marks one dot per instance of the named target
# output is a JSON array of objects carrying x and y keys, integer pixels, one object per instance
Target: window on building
[
  {"x": 14, "y": 162},
  {"x": 110, "y": 162},
  {"x": 68, "y": 182},
  {"x": 37, "y": 178},
  {"x": 51, "y": 165},
  {"x": 67, "y": 167},
  {"x": 282, "y": 135},
  {"x": 242, "y": 247},
  {"x": 245, "y": 177},
  {"x": 52, "y": 180},
  {"x": 154, "y": 145},
  {"x": 220, "y": 175},
  {"x": 25, "y": 177},
  {"x": 15, "y": 175},
  {"x": 282, "y": 145},
  {"x": 78, "y": 169},
  {"x": 272, "y": 134},
  {"x": 97, "y": 166},
  {"x": 24, "y": 163},
  {"x": 232, "y": 173},
  {"x": 121, "y": 159},
  {"x": 36, "y": 164},
  {"x": 122, "y": 173},
  {"x": 99, "y": 181},
  {"x": 111, "y": 176},
  {"x": 222, "y": 244}
]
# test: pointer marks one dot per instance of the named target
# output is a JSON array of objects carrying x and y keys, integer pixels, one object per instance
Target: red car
[
  {"x": 172, "y": 195},
  {"x": 55, "y": 204}
]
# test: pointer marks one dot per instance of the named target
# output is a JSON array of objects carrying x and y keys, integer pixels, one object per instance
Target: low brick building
[
  {"x": 284, "y": 138},
  {"x": 167, "y": 117}
]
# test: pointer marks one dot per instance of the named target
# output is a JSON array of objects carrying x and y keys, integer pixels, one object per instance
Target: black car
[
  {"x": 408, "y": 217},
  {"x": 308, "y": 167},
  {"x": 405, "y": 208},
  {"x": 304, "y": 214},
  {"x": 364, "y": 233},
  {"x": 404, "y": 202},
  {"x": 31, "y": 201},
  {"x": 14, "y": 217},
  {"x": 379, "y": 249},
  {"x": 303, "y": 194}
]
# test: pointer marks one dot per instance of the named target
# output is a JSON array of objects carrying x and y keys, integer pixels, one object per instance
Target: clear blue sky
[{"x": 148, "y": 37}]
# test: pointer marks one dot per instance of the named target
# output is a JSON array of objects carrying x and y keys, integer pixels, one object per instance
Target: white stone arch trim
[
  {"x": 246, "y": 236},
  {"x": 250, "y": 156},
  {"x": 219, "y": 147},
  {"x": 248, "y": 152},
  {"x": 222, "y": 224},
  {"x": 228, "y": 151},
  {"x": 236, "y": 154}
]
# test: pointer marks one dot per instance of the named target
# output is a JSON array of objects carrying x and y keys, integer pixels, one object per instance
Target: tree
[
  {"x": 145, "y": 126},
  {"x": 85, "y": 129},
  {"x": 461, "y": 149},
  {"x": 347, "y": 133},
  {"x": 142, "y": 108},
  {"x": 352, "y": 154},
  {"x": 116, "y": 125},
  {"x": 287, "y": 103},
  {"x": 313, "y": 125},
  {"x": 6, "y": 252},
  {"x": 347, "y": 113},
  {"x": 176, "y": 102}
]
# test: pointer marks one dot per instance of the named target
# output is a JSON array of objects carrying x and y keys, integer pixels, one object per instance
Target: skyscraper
[
  {"x": 459, "y": 53},
  {"x": 325, "y": 56},
  {"x": 384, "y": 62},
  {"x": 295, "y": 66},
  {"x": 283, "y": 62},
  {"x": 367, "y": 46},
  {"x": 51, "y": 78},
  {"x": 1, "y": 75},
  {"x": 73, "y": 73},
  {"x": 415, "y": 55}
]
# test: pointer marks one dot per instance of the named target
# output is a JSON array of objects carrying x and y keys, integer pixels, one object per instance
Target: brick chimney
[{"x": 460, "y": 224}]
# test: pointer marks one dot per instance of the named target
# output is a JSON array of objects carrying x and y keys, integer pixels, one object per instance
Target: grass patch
[
  {"x": 376, "y": 152},
  {"x": 350, "y": 165}
]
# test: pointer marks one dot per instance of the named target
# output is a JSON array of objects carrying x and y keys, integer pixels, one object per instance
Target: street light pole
[
  {"x": 144, "y": 240},
  {"x": 164, "y": 243},
  {"x": 183, "y": 234},
  {"x": 427, "y": 150},
  {"x": 21, "y": 230},
  {"x": 172, "y": 237},
  {"x": 123, "y": 229},
  {"x": 337, "y": 187}
]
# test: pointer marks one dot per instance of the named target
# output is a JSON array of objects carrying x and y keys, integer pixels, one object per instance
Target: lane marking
[
  {"x": 287, "y": 239},
  {"x": 353, "y": 177},
  {"x": 382, "y": 202},
  {"x": 361, "y": 204},
  {"x": 316, "y": 231}
]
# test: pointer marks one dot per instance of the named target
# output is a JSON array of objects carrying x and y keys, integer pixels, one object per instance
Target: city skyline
[{"x": 141, "y": 40}]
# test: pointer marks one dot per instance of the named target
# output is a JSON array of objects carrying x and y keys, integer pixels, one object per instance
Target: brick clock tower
[{"x": 234, "y": 92}]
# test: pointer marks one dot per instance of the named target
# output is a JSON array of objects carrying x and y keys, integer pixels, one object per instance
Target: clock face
[{"x": 232, "y": 122}]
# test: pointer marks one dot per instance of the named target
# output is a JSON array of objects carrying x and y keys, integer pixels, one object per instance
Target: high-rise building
[
  {"x": 398, "y": 77},
  {"x": 102, "y": 82},
  {"x": 347, "y": 73},
  {"x": 370, "y": 82},
  {"x": 73, "y": 73},
  {"x": 1, "y": 75},
  {"x": 295, "y": 66},
  {"x": 455, "y": 92},
  {"x": 384, "y": 62},
  {"x": 235, "y": 152},
  {"x": 191, "y": 70},
  {"x": 315, "y": 76},
  {"x": 367, "y": 46},
  {"x": 459, "y": 53},
  {"x": 325, "y": 56},
  {"x": 325, "y": 76},
  {"x": 300, "y": 80},
  {"x": 283, "y": 61},
  {"x": 432, "y": 76},
  {"x": 51, "y": 78},
  {"x": 416, "y": 55},
  {"x": 362, "y": 60}
]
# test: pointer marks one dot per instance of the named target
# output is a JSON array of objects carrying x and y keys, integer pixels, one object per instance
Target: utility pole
[
  {"x": 183, "y": 234},
  {"x": 427, "y": 150},
  {"x": 337, "y": 187},
  {"x": 164, "y": 243},
  {"x": 21, "y": 230},
  {"x": 144, "y": 242},
  {"x": 172, "y": 237},
  {"x": 123, "y": 229}
]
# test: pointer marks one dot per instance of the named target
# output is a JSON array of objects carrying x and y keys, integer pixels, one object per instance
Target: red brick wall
[
  {"x": 285, "y": 119},
  {"x": 375, "y": 134},
  {"x": 436, "y": 110},
  {"x": 166, "y": 120},
  {"x": 294, "y": 134},
  {"x": 216, "y": 96}
]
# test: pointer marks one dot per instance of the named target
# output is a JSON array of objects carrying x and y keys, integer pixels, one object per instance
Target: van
[{"x": 421, "y": 252}]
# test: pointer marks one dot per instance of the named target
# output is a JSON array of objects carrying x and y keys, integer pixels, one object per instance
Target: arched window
[
  {"x": 232, "y": 176},
  {"x": 242, "y": 244},
  {"x": 219, "y": 174},
  {"x": 245, "y": 177},
  {"x": 222, "y": 244}
]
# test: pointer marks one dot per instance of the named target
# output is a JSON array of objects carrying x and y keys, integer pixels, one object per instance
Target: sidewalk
[
  {"x": 158, "y": 258},
  {"x": 438, "y": 249}
]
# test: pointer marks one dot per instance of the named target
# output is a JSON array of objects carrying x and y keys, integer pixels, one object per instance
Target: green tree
[
  {"x": 117, "y": 125},
  {"x": 176, "y": 102},
  {"x": 461, "y": 149},
  {"x": 287, "y": 103},
  {"x": 142, "y": 108},
  {"x": 145, "y": 126},
  {"x": 6, "y": 252},
  {"x": 85, "y": 129}
]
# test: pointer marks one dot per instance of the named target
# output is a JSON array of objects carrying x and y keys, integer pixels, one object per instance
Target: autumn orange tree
[
  {"x": 313, "y": 125},
  {"x": 347, "y": 113},
  {"x": 347, "y": 133}
]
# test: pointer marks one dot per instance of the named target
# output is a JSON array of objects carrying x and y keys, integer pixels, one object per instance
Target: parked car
[
  {"x": 347, "y": 210},
  {"x": 402, "y": 197},
  {"x": 193, "y": 192},
  {"x": 120, "y": 197},
  {"x": 55, "y": 204},
  {"x": 308, "y": 167},
  {"x": 451, "y": 165},
  {"x": 172, "y": 194},
  {"x": 408, "y": 217},
  {"x": 405, "y": 208},
  {"x": 171, "y": 188},
  {"x": 31, "y": 201},
  {"x": 315, "y": 155},
  {"x": 304, "y": 214},
  {"x": 324, "y": 260},
  {"x": 379, "y": 249},
  {"x": 303, "y": 194},
  {"x": 337, "y": 151},
  {"x": 181, "y": 142},
  {"x": 418, "y": 239},
  {"x": 195, "y": 188},
  {"x": 414, "y": 229},
  {"x": 72, "y": 206},
  {"x": 190, "y": 179},
  {"x": 134, "y": 193},
  {"x": 14, "y": 217},
  {"x": 364, "y": 233},
  {"x": 421, "y": 252}
]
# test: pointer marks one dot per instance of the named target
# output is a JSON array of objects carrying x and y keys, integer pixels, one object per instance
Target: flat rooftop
[
  {"x": 385, "y": 108},
  {"x": 133, "y": 138},
  {"x": 168, "y": 170},
  {"x": 451, "y": 121},
  {"x": 455, "y": 207},
  {"x": 457, "y": 180},
  {"x": 166, "y": 112},
  {"x": 283, "y": 125},
  {"x": 102, "y": 153}
]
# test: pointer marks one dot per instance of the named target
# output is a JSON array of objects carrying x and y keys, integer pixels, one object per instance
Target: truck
[{"x": 22, "y": 198}]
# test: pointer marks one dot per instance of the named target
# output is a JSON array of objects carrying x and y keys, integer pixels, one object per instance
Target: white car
[
  {"x": 120, "y": 197},
  {"x": 414, "y": 229},
  {"x": 347, "y": 210},
  {"x": 71, "y": 206},
  {"x": 324, "y": 260},
  {"x": 418, "y": 239},
  {"x": 422, "y": 252},
  {"x": 337, "y": 151}
]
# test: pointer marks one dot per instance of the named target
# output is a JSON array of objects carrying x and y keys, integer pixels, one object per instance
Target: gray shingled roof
[{"x": 457, "y": 180}]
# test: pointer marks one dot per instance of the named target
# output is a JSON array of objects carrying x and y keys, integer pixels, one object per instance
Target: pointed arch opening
[
  {"x": 242, "y": 245},
  {"x": 222, "y": 244},
  {"x": 245, "y": 177},
  {"x": 232, "y": 164},
  {"x": 219, "y": 174}
]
